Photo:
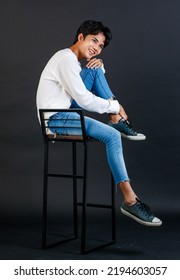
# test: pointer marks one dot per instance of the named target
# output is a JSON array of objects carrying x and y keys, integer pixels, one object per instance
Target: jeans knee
[
  {"x": 92, "y": 71},
  {"x": 97, "y": 71},
  {"x": 114, "y": 136}
]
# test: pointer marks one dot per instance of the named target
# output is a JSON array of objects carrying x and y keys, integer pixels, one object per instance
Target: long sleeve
[
  {"x": 69, "y": 71},
  {"x": 60, "y": 83}
]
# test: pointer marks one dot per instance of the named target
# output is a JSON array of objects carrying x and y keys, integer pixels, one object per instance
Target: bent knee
[{"x": 114, "y": 134}]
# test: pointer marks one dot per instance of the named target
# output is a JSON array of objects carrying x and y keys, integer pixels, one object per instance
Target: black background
[{"x": 143, "y": 69}]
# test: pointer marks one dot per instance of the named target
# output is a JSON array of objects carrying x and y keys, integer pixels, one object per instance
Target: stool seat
[
  {"x": 50, "y": 138},
  {"x": 64, "y": 137}
]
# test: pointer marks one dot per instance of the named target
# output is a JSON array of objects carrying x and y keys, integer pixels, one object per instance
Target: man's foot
[
  {"x": 126, "y": 130},
  {"x": 140, "y": 212}
]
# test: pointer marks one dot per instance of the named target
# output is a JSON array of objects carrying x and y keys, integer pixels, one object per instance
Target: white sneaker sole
[
  {"x": 139, "y": 137},
  {"x": 157, "y": 224}
]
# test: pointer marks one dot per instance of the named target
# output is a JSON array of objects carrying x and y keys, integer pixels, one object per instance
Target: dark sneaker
[
  {"x": 127, "y": 131},
  {"x": 140, "y": 212}
]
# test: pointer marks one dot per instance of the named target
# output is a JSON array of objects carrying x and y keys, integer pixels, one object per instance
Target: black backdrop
[{"x": 143, "y": 68}]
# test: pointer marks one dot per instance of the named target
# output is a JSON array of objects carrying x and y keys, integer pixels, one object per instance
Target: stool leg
[
  {"x": 45, "y": 187},
  {"x": 113, "y": 209},
  {"x": 84, "y": 203},
  {"x": 75, "y": 210}
]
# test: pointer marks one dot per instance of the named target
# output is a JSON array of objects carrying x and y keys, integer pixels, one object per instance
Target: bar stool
[{"x": 50, "y": 138}]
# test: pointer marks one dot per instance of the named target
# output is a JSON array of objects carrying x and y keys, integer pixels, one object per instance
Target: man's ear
[{"x": 80, "y": 37}]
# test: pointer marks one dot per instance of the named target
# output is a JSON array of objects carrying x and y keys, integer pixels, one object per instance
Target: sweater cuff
[{"x": 114, "y": 107}]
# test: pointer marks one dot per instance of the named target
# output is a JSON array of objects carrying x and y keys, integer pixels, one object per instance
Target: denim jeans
[{"x": 95, "y": 82}]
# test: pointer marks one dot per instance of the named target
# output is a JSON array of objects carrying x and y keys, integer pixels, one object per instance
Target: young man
[{"x": 64, "y": 84}]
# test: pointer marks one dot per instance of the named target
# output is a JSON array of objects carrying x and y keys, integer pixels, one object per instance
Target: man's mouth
[{"x": 92, "y": 52}]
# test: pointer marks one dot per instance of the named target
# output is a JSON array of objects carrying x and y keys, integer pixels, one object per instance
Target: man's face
[{"x": 91, "y": 45}]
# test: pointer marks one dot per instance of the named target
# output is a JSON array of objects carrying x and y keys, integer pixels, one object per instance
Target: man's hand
[
  {"x": 94, "y": 63},
  {"x": 122, "y": 113}
]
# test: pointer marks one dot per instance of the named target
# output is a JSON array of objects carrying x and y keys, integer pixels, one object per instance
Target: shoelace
[
  {"x": 144, "y": 208},
  {"x": 128, "y": 124}
]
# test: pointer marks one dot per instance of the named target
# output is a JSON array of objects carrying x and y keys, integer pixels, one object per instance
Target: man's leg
[
  {"x": 95, "y": 81},
  {"x": 131, "y": 207}
]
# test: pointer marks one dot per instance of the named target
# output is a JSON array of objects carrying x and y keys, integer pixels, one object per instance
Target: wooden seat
[{"x": 64, "y": 137}]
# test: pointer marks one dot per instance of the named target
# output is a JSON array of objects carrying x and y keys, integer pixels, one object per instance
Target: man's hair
[{"x": 91, "y": 27}]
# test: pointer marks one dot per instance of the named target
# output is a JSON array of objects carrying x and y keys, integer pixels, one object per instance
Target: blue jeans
[{"x": 95, "y": 81}]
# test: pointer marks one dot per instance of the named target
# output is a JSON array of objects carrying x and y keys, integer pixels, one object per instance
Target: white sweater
[{"x": 60, "y": 83}]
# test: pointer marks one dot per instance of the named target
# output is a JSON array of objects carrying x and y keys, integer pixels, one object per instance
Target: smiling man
[{"x": 64, "y": 84}]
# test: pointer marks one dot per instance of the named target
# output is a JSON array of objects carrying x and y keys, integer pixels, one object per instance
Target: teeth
[{"x": 92, "y": 52}]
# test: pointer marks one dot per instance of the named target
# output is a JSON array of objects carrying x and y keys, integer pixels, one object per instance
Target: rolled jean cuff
[{"x": 122, "y": 181}]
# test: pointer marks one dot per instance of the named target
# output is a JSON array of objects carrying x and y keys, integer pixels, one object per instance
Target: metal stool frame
[{"x": 51, "y": 138}]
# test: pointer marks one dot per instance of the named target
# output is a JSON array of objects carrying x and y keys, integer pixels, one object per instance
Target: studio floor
[{"x": 134, "y": 241}]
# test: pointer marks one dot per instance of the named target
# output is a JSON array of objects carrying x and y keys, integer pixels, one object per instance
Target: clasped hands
[{"x": 94, "y": 63}]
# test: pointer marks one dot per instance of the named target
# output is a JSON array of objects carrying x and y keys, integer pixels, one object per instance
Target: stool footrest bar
[
  {"x": 95, "y": 205},
  {"x": 64, "y": 176}
]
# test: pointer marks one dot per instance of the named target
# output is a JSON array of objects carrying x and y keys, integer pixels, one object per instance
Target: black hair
[{"x": 94, "y": 27}]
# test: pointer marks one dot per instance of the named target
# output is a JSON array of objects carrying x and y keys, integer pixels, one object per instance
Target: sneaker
[
  {"x": 140, "y": 212},
  {"x": 127, "y": 131}
]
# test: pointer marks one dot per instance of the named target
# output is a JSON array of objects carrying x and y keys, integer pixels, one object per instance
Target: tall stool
[{"x": 50, "y": 138}]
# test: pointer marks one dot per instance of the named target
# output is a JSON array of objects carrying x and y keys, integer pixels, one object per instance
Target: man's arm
[{"x": 69, "y": 72}]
